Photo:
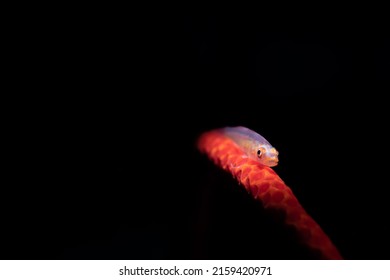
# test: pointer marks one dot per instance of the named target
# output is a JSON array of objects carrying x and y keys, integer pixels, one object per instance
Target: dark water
[{"x": 102, "y": 159}]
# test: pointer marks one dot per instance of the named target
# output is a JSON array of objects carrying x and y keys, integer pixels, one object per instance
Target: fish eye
[{"x": 259, "y": 153}]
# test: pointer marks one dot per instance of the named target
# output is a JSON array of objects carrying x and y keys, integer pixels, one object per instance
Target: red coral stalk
[{"x": 265, "y": 185}]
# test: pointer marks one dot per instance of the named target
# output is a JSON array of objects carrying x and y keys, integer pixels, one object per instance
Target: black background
[{"x": 105, "y": 118}]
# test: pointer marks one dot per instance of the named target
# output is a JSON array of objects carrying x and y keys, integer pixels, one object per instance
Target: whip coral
[{"x": 264, "y": 184}]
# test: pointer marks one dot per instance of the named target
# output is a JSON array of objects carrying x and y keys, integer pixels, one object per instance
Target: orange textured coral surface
[{"x": 265, "y": 185}]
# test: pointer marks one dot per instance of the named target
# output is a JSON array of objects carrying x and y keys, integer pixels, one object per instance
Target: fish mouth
[{"x": 273, "y": 162}]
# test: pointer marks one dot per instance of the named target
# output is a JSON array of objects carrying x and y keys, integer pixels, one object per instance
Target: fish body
[{"x": 252, "y": 144}]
